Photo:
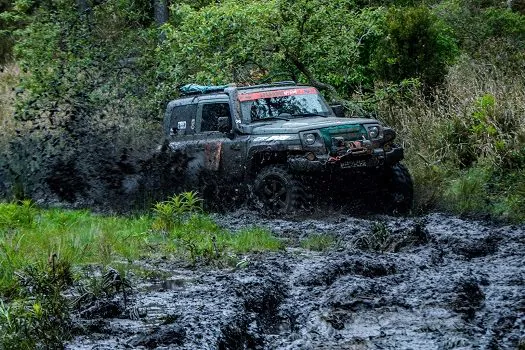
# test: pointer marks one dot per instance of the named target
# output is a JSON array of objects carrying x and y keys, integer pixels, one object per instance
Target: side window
[
  {"x": 211, "y": 112},
  {"x": 182, "y": 121}
]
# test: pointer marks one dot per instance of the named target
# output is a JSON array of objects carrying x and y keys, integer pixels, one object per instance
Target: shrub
[
  {"x": 487, "y": 31},
  {"x": 416, "y": 44},
  {"x": 39, "y": 317},
  {"x": 474, "y": 121},
  {"x": 169, "y": 214}
]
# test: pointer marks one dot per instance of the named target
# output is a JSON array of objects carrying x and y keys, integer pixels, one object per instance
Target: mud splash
[{"x": 463, "y": 286}]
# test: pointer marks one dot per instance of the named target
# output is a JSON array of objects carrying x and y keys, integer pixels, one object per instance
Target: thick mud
[{"x": 436, "y": 282}]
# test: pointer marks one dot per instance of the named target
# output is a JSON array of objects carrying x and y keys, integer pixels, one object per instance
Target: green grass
[
  {"x": 40, "y": 250},
  {"x": 200, "y": 238},
  {"x": 486, "y": 190},
  {"x": 254, "y": 239},
  {"x": 319, "y": 243},
  {"x": 464, "y": 144},
  {"x": 31, "y": 236},
  {"x": 467, "y": 192}
]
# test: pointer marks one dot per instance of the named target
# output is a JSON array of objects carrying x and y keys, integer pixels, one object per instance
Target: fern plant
[{"x": 171, "y": 213}]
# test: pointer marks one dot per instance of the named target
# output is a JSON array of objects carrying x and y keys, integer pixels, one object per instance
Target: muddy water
[{"x": 459, "y": 285}]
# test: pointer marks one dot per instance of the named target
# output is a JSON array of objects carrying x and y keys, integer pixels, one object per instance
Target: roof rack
[
  {"x": 279, "y": 83},
  {"x": 195, "y": 89}
]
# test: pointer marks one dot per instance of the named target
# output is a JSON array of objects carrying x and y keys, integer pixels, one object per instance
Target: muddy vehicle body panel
[
  {"x": 236, "y": 133},
  {"x": 207, "y": 149}
]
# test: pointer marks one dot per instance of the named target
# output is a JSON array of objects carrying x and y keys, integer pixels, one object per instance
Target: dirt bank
[{"x": 440, "y": 283}]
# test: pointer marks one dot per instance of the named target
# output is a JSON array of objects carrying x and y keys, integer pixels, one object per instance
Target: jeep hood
[{"x": 300, "y": 124}]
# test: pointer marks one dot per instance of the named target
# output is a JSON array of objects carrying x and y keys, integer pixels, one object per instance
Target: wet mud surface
[{"x": 437, "y": 282}]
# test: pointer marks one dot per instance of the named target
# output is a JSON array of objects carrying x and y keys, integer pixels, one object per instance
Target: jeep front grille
[{"x": 340, "y": 138}]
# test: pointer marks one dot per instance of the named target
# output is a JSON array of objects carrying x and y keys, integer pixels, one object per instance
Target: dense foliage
[{"x": 448, "y": 74}]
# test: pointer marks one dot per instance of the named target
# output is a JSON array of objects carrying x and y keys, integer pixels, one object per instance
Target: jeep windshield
[{"x": 282, "y": 104}]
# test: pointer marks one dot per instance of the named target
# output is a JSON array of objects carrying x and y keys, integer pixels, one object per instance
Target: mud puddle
[{"x": 437, "y": 282}]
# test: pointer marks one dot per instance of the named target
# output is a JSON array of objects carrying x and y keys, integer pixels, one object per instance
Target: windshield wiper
[
  {"x": 309, "y": 115},
  {"x": 270, "y": 118}
]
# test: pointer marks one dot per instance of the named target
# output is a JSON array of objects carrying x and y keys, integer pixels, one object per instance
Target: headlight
[
  {"x": 309, "y": 139},
  {"x": 373, "y": 131}
]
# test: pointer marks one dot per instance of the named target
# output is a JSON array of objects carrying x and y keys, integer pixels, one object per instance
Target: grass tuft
[
  {"x": 39, "y": 316},
  {"x": 320, "y": 243},
  {"x": 378, "y": 239},
  {"x": 255, "y": 239},
  {"x": 171, "y": 213}
]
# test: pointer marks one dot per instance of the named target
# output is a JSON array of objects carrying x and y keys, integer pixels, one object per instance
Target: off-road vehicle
[{"x": 286, "y": 144}]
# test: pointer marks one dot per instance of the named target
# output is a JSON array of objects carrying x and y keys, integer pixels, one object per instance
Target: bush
[
  {"x": 487, "y": 31},
  {"x": 170, "y": 214},
  {"x": 39, "y": 317},
  {"x": 86, "y": 112},
  {"x": 466, "y": 141},
  {"x": 416, "y": 44}
]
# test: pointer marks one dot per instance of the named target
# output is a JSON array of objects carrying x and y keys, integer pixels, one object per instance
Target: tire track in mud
[{"x": 462, "y": 287}]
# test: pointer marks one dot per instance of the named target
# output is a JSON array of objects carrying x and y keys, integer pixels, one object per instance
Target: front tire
[
  {"x": 277, "y": 190},
  {"x": 400, "y": 189}
]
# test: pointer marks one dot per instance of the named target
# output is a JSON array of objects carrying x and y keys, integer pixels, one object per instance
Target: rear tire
[
  {"x": 400, "y": 189},
  {"x": 278, "y": 191}
]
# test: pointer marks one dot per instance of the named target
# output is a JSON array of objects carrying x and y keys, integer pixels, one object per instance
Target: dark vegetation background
[{"x": 84, "y": 84}]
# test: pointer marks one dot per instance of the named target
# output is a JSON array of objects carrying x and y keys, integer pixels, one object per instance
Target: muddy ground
[{"x": 442, "y": 283}]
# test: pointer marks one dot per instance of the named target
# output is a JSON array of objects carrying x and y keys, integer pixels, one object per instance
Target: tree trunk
[
  {"x": 83, "y": 6},
  {"x": 160, "y": 8},
  {"x": 517, "y": 5}
]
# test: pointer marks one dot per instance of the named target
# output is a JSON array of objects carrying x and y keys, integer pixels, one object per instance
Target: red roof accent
[{"x": 250, "y": 96}]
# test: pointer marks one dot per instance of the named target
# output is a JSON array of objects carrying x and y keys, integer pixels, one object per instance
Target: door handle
[{"x": 235, "y": 147}]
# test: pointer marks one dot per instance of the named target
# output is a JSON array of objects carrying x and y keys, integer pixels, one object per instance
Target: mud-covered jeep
[{"x": 286, "y": 144}]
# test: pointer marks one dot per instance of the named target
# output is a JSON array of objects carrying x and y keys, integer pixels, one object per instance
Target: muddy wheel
[
  {"x": 277, "y": 190},
  {"x": 400, "y": 189}
]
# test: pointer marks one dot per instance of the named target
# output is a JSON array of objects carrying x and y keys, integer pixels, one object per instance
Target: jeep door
[{"x": 223, "y": 157}]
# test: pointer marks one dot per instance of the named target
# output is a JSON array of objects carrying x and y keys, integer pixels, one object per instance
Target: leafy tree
[
  {"x": 317, "y": 42},
  {"x": 487, "y": 31},
  {"x": 416, "y": 44},
  {"x": 6, "y": 40}
]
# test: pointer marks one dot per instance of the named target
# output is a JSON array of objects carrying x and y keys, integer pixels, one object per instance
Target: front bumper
[{"x": 377, "y": 159}]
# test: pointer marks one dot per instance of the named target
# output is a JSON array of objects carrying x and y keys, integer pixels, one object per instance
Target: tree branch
[{"x": 309, "y": 75}]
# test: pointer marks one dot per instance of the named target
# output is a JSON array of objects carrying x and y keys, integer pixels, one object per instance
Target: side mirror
[
  {"x": 225, "y": 124},
  {"x": 338, "y": 110}
]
